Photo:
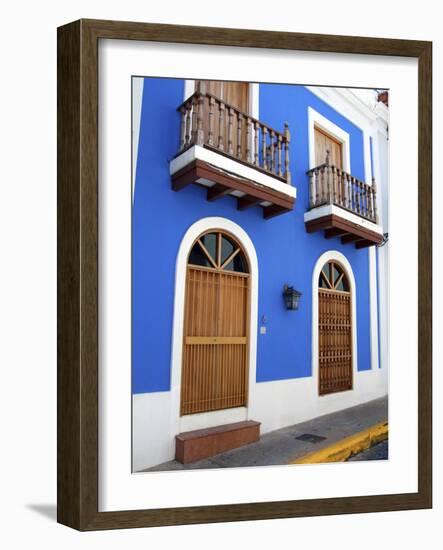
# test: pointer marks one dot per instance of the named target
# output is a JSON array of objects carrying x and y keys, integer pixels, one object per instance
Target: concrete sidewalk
[{"x": 282, "y": 446}]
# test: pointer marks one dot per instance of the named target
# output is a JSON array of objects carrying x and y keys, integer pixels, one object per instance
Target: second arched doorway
[{"x": 334, "y": 329}]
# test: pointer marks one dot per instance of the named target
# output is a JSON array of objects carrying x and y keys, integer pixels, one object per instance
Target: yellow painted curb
[{"x": 343, "y": 449}]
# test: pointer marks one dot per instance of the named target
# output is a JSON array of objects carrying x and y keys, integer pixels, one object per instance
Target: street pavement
[
  {"x": 377, "y": 452},
  {"x": 282, "y": 446}
]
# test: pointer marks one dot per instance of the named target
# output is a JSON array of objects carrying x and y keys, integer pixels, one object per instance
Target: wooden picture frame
[{"x": 78, "y": 273}]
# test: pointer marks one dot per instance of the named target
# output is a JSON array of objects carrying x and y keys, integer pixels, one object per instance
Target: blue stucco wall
[{"x": 286, "y": 253}]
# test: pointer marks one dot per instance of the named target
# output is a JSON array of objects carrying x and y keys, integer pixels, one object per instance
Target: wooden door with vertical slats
[
  {"x": 234, "y": 93},
  {"x": 237, "y": 95},
  {"x": 215, "y": 351},
  {"x": 335, "y": 330},
  {"x": 325, "y": 142}
]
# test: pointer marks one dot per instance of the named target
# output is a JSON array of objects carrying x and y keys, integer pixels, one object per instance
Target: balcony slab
[
  {"x": 225, "y": 176},
  {"x": 338, "y": 222},
  {"x": 230, "y": 165}
]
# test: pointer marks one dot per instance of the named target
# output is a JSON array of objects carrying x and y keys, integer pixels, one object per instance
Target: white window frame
[{"x": 315, "y": 119}]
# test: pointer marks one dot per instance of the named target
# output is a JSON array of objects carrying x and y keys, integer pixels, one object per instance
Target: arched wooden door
[
  {"x": 215, "y": 347},
  {"x": 335, "y": 329}
]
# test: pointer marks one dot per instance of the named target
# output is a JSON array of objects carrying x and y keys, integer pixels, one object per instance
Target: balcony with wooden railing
[
  {"x": 343, "y": 206},
  {"x": 232, "y": 153}
]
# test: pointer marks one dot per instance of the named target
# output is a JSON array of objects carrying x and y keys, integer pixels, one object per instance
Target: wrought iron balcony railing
[{"x": 208, "y": 121}]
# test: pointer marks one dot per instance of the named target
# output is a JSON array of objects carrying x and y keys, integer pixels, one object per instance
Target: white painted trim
[
  {"x": 376, "y": 174},
  {"x": 316, "y": 119},
  {"x": 346, "y": 103},
  {"x": 282, "y": 403},
  {"x": 189, "y": 89},
  {"x": 327, "y": 209},
  {"x": 372, "y": 264},
  {"x": 198, "y": 421},
  {"x": 152, "y": 442},
  {"x": 254, "y": 97},
  {"x": 383, "y": 304},
  {"x": 382, "y": 112},
  {"x": 373, "y": 306},
  {"x": 229, "y": 165},
  {"x": 380, "y": 288},
  {"x": 380, "y": 141},
  {"x": 340, "y": 258},
  {"x": 367, "y": 156},
  {"x": 189, "y": 238},
  {"x": 254, "y": 109},
  {"x": 137, "y": 99}
]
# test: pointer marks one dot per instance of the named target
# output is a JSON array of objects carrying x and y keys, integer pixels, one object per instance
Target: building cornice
[{"x": 350, "y": 105}]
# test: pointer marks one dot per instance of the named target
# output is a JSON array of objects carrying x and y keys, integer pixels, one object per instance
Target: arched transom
[
  {"x": 217, "y": 250},
  {"x": 333, "y": 277}
]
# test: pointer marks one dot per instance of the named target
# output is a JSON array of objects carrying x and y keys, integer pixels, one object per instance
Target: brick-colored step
[{"x": 199, "y": 444}]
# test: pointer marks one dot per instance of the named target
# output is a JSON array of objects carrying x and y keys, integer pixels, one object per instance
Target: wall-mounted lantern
[{"x": 291, "y": 297}]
